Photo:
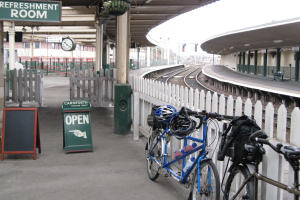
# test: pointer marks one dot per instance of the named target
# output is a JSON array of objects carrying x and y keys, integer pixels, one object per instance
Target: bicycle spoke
[{"x": 209, "y": 184}]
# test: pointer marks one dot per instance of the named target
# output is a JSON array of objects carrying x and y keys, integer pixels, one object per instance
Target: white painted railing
[{"x": 148, "y": 92}]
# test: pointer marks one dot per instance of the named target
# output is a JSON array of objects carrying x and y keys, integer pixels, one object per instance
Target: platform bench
[{"x": 279, "y": 75}]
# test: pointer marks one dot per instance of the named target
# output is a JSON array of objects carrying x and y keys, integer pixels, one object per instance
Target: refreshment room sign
[{"x": 37, "y": 11}]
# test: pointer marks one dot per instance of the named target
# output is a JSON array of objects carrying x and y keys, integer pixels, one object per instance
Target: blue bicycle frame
[{"x": 201, "y": 156}]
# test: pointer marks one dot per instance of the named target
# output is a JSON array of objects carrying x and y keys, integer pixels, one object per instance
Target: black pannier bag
[{"x": 234, "y": 139}]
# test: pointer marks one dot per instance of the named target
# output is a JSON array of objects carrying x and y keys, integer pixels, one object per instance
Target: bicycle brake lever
[{"x": 278, "y": 146}]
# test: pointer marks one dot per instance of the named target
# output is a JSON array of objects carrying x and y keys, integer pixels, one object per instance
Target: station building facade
[
  {"x": 265, "y": 62},
  {"x": 265, "y": 50}
]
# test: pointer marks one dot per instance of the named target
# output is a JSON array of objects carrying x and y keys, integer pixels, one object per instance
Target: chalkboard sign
[{"x": 20, "y": 131}]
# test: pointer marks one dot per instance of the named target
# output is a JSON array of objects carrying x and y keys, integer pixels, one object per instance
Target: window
[
  {"x": 55, "y": 46},
  {"x": 26, "y": 45},
  {"x": 36, "y": 45}
]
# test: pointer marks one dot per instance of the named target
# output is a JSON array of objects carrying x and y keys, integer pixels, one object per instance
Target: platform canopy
[
  {"x": 79, "y": 16},
  {"x": 267, "y": 36}
]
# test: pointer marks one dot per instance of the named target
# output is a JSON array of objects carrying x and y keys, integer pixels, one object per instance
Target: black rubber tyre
[
  {"x": 152, "y": 166},
  {"x": 235, "y": 179},
  {"x": 212, "y": 193}
]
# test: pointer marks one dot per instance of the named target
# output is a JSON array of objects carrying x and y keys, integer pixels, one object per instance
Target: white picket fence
[
  {"x": 96, "y": 88},
  {"x": 148, "y": 92}
]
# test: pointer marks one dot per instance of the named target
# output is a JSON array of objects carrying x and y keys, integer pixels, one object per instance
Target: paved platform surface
[
  {"x": 115, "y": 170},
  {"x": 227, "y": 75}
]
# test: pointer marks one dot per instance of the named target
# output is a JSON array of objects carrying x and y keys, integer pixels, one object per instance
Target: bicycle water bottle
[
  {"x": 189, "y": 148},
  {"x": 189, "y": 163},
  {"x": 179, "y": 153}
]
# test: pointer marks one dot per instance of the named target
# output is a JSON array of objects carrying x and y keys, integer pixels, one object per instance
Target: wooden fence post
[
  {"x": 177, "y": 95},
  {"x": 222, "y": 104},
  {"x": 271, "y": 159},
  {"x": 181, "y": 96},
  {"x": 215, "y": 100},
  {"x": 136, "y": 115},
  {"x": 197, "y": 100},
  {"x": 258, "y": 113},
  {"x": 202, "y": 100},
  {"x": 191, "y": 99},
  {"x": 230, "y": 102},
  {"x": 238, "y": 106},
  {"x": 185, "y": 97},
  {"x": 208, "y": 101}
]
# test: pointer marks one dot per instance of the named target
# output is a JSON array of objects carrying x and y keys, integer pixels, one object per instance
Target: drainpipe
[{"x": 265, "y": 62}]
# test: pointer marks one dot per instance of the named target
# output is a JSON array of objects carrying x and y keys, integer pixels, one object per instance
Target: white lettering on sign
[
  {"x": 14, "y": 13},
  {"x": 77, "y": 119},
  {"x": 75, "y": 102},
  {"x": 31, "y": 5},
  {"x": 32, "y": 14}
]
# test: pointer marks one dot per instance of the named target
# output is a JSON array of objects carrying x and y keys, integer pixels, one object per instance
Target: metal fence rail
[
  {"x": 289, "y": 71},
  {"x": 57, "y": 65}
]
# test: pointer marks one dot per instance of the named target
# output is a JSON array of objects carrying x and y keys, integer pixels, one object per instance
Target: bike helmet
[
  {"x": 181, "y": 126},
  {"x": 164, "y": 114}
]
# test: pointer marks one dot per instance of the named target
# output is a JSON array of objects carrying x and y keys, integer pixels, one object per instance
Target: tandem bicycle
[{"x": 198, "y": 173}]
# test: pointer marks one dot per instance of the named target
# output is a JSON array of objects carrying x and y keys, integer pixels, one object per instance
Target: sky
[{"x": 220, "y": 17}]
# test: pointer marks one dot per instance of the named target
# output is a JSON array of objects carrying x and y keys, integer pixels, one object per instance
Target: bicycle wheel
[
  {"x": 237, "y": 176},
  {"x": 152, "y": 166},
  {"x": 209, "y": 182}
]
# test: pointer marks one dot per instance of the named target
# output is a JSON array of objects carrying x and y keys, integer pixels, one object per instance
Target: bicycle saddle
[{"x": 292, "y": 152}]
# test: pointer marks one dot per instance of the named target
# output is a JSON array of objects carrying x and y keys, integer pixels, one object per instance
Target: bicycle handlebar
[
  {"x": 185, "y": 111},
  {"x": 261, "y": 137}
]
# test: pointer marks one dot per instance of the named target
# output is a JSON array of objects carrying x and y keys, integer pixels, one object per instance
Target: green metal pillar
[
  {"x": 138, "y": 58},
  {"x": 244, "y": 61},
  {"x": 31, "y": 63},
  {"x": 278, "y": 56},
  {"x": 297, "y": 54},
  {"x": 66, "y": 75},
  {"x": 50, "y": 64},
  {"x": 104, "y": 57},
  {"x": 240, "y": 61},
  {"x": 255, "y": 62},
  {"x": 265, "y": 62},
  {"x": 248, "y": 63}
]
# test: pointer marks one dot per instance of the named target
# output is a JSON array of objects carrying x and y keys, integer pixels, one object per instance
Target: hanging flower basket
[{"x": 116, "y": 7}]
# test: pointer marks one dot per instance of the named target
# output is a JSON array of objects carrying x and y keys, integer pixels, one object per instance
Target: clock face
[{"x": 67, "y": 44}]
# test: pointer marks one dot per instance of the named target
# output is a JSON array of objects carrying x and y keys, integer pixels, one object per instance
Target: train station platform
[
  {"x": 115, "y": 170},
  {"x": 144, "y": 71},
  {"x": 224, "y": 74}
]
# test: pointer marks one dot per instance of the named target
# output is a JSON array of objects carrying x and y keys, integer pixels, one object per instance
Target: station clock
[{"x": 68, "y": 44}]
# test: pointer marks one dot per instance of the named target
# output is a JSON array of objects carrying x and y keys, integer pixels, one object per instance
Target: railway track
[
  {"x": 177, "y": 77},
  {"x": 164, "y": 77},
  {"x": 191, "y": 81},
  {"x": 191, "y": 78}
]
